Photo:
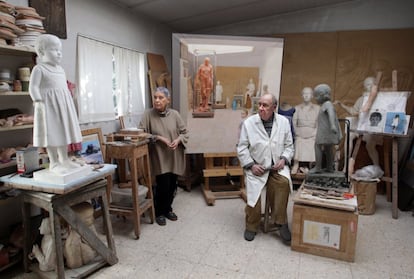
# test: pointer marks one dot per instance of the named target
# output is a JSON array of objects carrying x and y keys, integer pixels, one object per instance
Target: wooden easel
[
  {"x": 390, "y": 178},
  {"x": 218, "y": 165}
]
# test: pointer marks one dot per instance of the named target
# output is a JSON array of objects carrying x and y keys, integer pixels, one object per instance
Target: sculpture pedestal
[
  {"x": 326, "y": 180},
  {"x": 62, "y": 178}
]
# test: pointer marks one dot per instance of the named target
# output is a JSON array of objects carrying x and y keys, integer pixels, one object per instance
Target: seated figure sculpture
[
  {"x": 305, "y": 123},
  {"x": 46, "y": 253},
  {"x": 371, "y": 140}
]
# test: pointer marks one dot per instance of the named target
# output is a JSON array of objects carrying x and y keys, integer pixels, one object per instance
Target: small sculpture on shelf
[
  {"x": 219, "y": 92},
  {"x": 46, "y": 253},
  {"x": 250, "y": 92},
  {"x": 55, "y": 120}
]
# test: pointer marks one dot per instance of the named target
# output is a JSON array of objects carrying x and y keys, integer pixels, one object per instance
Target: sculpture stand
[
  {"x": 206, "y": 114},
  {"x": 328, "y": 180},
  {"x": 62, "y": 178}
]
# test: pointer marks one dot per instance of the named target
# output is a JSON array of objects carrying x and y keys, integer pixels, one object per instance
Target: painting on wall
[{"x": 55, "y": 16}]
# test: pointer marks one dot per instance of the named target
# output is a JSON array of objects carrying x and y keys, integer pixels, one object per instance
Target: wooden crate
[{"x": 324, "y": 232}]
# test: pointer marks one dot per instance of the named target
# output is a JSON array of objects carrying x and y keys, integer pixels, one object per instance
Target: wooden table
[
  {"x": 59, "y": 205},
  {"x": 136, "y": 154},
  {"x": 389, "y": 177}
]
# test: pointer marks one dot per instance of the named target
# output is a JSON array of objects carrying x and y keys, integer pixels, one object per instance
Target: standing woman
[{"x": 168, "y": 141}]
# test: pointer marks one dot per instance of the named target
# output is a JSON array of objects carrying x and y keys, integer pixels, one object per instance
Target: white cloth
[
  {"x": 256, "y": 146},
  {"x": 55, "y": 119}
]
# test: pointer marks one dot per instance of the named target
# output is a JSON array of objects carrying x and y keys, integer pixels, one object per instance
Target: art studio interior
[{"x": 217, "y": 139}]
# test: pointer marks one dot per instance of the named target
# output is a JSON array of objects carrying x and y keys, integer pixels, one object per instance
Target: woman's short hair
[{"x": 163, "y": 90}]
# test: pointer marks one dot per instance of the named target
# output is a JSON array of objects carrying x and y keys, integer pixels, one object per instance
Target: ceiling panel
[{"x": 191, "y": 15}]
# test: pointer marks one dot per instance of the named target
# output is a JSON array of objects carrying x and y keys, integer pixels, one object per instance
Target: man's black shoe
[
  {"x": 248, "y": 235},
  {"x": 171, "y": 216},
  {"x": 285, "y": 234},
  {"x": 161, "y": 220}
]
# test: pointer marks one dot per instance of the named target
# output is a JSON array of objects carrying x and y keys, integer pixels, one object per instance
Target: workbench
[{"x": 57, "y": 200}]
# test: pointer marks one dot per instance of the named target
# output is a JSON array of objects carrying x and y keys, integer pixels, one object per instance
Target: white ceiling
[{"x": 192, "y": 15}]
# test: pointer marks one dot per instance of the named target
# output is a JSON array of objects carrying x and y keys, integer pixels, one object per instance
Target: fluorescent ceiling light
[{"x": 218, "y": 49}]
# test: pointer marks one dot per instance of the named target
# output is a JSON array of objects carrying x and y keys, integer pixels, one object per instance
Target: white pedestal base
[{"x": 65, "y": 177}]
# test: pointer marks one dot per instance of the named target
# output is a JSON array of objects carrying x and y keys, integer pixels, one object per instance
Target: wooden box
[{"x": 324, "y": 232}]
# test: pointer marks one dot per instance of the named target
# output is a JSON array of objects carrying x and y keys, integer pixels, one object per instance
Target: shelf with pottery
[
  {"x": 13, "y": 128},
  {"x": 17, "y": 50},
  {"x": 15, "y": 93}
]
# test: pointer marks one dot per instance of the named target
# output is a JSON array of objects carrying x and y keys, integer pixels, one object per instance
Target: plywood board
[
  {"x": 235, "y": 80},
  {"x": 214, "y": 135},
  {"x": 343, "y": 60}
]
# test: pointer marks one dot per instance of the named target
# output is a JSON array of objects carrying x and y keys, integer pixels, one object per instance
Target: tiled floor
[{"x": 207, "y": 242}]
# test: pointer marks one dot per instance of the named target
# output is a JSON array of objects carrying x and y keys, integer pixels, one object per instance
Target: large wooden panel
[
  {"x": 308, "y": 59},
  {"x": 343, "y": 60},
  {"x": 362, "y": 53},
  {"x": 235, "y": 80}
]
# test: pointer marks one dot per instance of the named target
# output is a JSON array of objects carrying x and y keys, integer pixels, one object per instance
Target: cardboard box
[
  {"x": 27, "y": 159},
  {"x": 324, "y": 232}
]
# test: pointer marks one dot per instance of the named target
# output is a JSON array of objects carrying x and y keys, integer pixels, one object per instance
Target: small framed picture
[
  {"x": 237, "y": 102},
  {"x": 92, "y": 151},
  {"x": 396, "y": 123},
  {"x": 255, "y": 104}
]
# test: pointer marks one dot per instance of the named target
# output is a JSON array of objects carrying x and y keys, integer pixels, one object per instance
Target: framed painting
[
  {"x": 255, "y": 104},
  {"x": 396, "y": 123},
  {"x": 237, "y": 102},
  {"x": 93, "y": 149},
  {"x": 55, "y": 16}
]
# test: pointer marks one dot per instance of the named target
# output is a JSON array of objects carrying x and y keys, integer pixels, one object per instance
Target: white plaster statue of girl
[
  {"x": 46, "y": 254},
  {"x": 55, "y": 120}
]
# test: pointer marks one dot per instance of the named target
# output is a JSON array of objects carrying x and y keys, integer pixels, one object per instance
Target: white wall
[
  {"x": 104, "y": 20},
  {"x": 353, "y": 15}
]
